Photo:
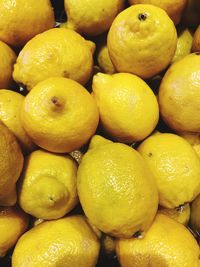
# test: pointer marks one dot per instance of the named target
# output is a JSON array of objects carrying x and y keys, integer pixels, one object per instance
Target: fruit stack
[{"x": 99, "y": 133}]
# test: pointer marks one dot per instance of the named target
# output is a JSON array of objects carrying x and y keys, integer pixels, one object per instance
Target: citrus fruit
[
  {"x": 127, "y": 106},
  {"x": 65, "y": 242},
  {"x": 193, "y": 139},
  {"x": 59, "y": 115},
  {"x": 167, "y": 243},
  {"x": 48, "y": 185},
  {"x": 56, "y": 52},
  {"x": 175, "y": 166},
  {"x": 116, "y": 189},
  {"x": 138, "y": 43},
  {"x": 22, "y": 20}
]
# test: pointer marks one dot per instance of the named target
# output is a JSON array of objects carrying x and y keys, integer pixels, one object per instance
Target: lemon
[
  {"x": 193, "y": 139},
  {"x": 184, "y": 44},
  {"x": 127, "y": 106},
  {"x": 175, "y": 166},
  {"x": 116, "y": 189},
  {"x": 20, "y": 21},
  {"x": 56, "y": 52},
  {"x": 174, "y": 8},
  {"x": 13, "y": 223},
  {"x": 11, "y": 163},
  {"x": 179, "y": 95},
  {"x": 180, "y": 214},
  {"x": 59, "y": 115},
  {"x": 194, "y": 218},
  {"x": 10, "y": 107},
  {"x": 196, "y": 41},
  {"x": 103, "y": 58},
  {"x": 167, "y": 243},
  {"x": 138, "y": 43},
  {"x": 48, "y": 185},
  {"x": 65, "y": 242},
  {"x": 7, "y": 59},
  {"x": 91, "y": 17}
]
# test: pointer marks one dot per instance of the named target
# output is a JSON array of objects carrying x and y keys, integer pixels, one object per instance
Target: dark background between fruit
[{"x": 104, "y": 260}]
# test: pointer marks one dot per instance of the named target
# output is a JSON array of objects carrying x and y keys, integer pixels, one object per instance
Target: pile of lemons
[{"x": 100, "y": 133}]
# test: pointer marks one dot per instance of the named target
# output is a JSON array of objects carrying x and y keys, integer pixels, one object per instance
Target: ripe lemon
[
  {"x": 20, "y": 21},
  {"x": 13, "y": 223},
  {"x": 184, "y": 44},
  {"x": 174, "y": 8},
  {"x": 193, "y": 139},
  {"x": 138, "y": 43},
  {"x": 7, "y": 59},
  {"x": 91, "y": 17},
  {"x": 57, "y": 52},
  {"x": 48, "y": 185},
  {"x": 11, "y": 163},
  {"x": 180, "y": 214},
  {"x": 196, "y": 41},
  {"x": 127, "y": 106},
  {"x": 195, "y": 218},
  {"x": 179, "y": 95},
  {"x": 65, "y": 242},
  {"x": 103, "y": 58},
  {"x": 167, "y": 243},
  {"x": 175, "y": 166},
  {"x": 59, "y": 115},
  {"x": 10, "y": 114},
  {"x": 116, "y": 189}
]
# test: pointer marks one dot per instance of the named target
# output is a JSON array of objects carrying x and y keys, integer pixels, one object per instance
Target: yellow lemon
[
  {"x": 13, "y": 223},
  {"x": 91, "y": 17},
  {"x": 10, "y": 114},
  {"x": 65, "y": 242},
  {"x": 179, "y": 95},
  {"x": 184, "y": 44},
  {"x": 48, "y": 185},
  {"x": 103, "y": 58},
  {"x": 193, "y": 139},
  {"x": 167, "y": 243},
  {"x": 196, "y": 41},
  {"x": 142, "y": 40},
  {"x": 176, "y": 168},
  {"x": 7, "y": 59},
  {"x": 174, "y": 8},
  {"x": 11, "y": 163},
  {"x": 195, "y": 218},
  {"x": 116, "y": 189},
  {"x": 20, "y": 21},
  {"x": 59, "y": 115},
  {"x": 180, "y": 214},
  {"x": 56, "y": 52},
  {"x": 127, "y": 106}
]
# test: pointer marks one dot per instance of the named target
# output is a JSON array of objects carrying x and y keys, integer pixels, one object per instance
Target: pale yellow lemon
[
  {"x": 167, "y": 243},
  {"x": 91, "y": 17},
  {"x": 65, "y": 242},
  {"x": 174, "y": 8},
  {"x": 56, "y": 52},
  {"x": 59, "y": 115},
  {"x": 179, "y": 95},
  {"x": 7, "y": 59},
  {"x": 127, "y": 106},
  {"x": 180, "y": 214},
  {"x": 175, "y": 166},
  {"x": 22, "y": 20},
  {"x": 48, "y": 185},
  {"x": 11, "y": 164},
  {"x": 13, "y": 223},
  {"x": 142, "y": 40},
  {"x": 116, "y": 189},
  {"x": 10, "y": 114}
]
